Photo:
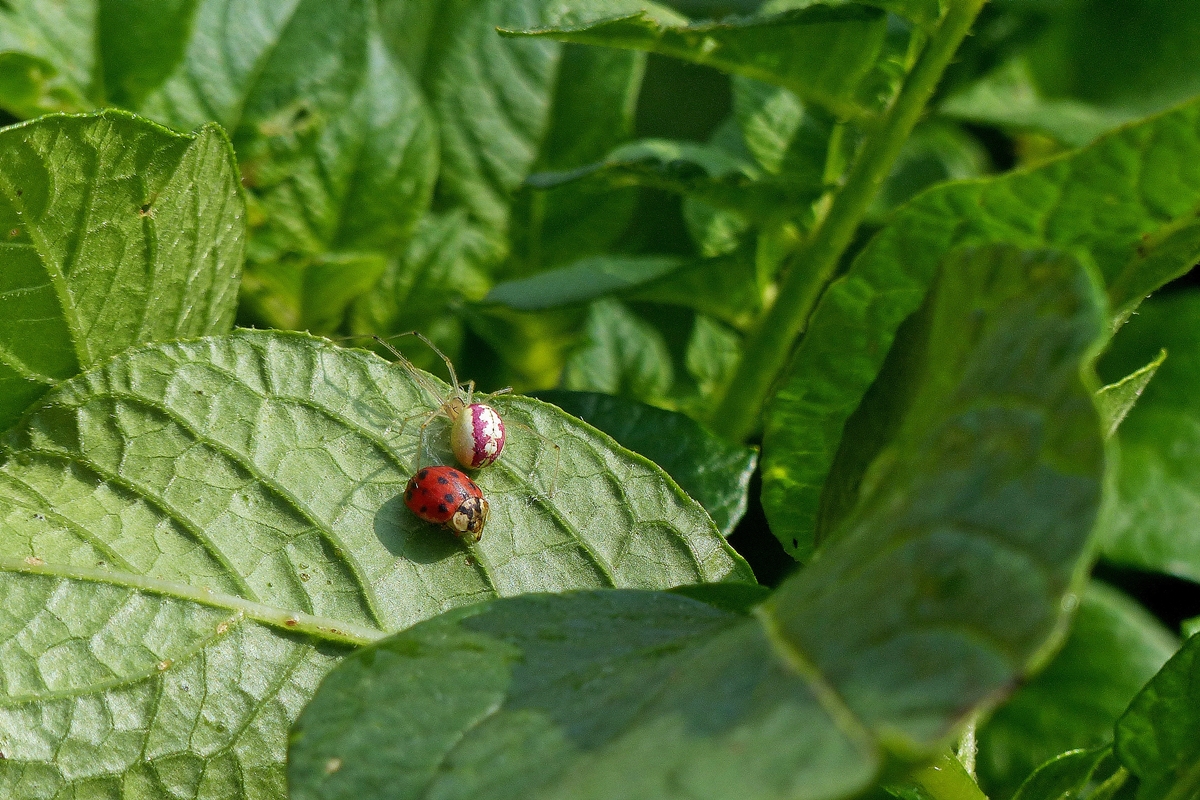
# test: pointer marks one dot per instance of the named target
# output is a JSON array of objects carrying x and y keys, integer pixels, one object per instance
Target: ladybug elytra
[{"x": 447, "y": 497}]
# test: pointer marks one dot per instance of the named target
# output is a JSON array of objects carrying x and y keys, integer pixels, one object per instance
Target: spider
[{"x": 477, "y": 432}]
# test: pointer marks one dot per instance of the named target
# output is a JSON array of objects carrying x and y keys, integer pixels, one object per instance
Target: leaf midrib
[{"x": 319, "y": 627}]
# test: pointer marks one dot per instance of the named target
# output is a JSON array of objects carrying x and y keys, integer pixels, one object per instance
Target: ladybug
[
  {"x": 447, "y": 497},
  {"x": 477, "y": 432}
]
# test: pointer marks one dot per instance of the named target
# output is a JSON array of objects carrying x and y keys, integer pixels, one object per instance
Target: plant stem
[
  {"x": 768, "y": 348},
  {"x": 945, "y": 779}
]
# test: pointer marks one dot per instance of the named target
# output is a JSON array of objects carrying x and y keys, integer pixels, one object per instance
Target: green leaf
[
  {"x": 195, "y": 533},
  {"x": 1069, "y": 776},
  {"x": 337, "y": 196},
  {"x": 925, "y": 12},
  {"x": 1153, "y": 525},
  {"x": 141, "y": 43},
  {"x": 737, "y": 597},
  {"x": 981, "y": 505},
  {"x": 942, "y": 590},
  {"x": 592, "y": 112},
  {"x": 1115, "y": 646},
  {"x": 825, "y": 54},
  {"x": 1096, "y": 64},
  {"x": 1157, "y": 738},
  {"x": 443, "y": 265},
  {"x": 1010, "y": 98},
  {"x": 280, "y": 64},
  {"x": 713, "y": 351},
  {"x": 614, "y": 694},
  {"x": 935, "y": 152},
  {"x": 784, "y": 135},
  {"x": 704, "y": 171},
  {"x": 620, "y": 354},
  {"x": 725, "y": 287},
  {"x": 712, "y": 471},
  {"x": 1118, "y": 398},
  {"x": 584, "y": 280},
  {"x": 721, "y": 172},
  {"x": 1106, "y": 199},
  {"x": 116, "y": 232},
  {"x": 51, "y": 44},
  {"x": 356, "y": 181},
  {"x": 30, "y": 86},
  {"x": 309, "y": 294},
  {"x": 491, "y": 99}
]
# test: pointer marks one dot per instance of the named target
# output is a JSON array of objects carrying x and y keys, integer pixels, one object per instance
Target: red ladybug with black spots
[{"x": 447, "y": 497}]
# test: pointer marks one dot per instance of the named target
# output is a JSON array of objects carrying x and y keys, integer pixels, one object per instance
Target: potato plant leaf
[
  {"x": 1114, "y": 647},
  {"x": 621, "y": 354},
  {"x": 948, "y": 581},
  {"x": 1153, "y": 525},
  {"x": 586, "y": 279},
  {"x": 702, "y": 171},
  {"x": 1158, "y": 738},
  {"x": 1117, "y": 399},
  {"x": 1093, "y": 66},
  {"x": 826, "y": 54},
  {"x": 196, "y": 532},
  {"x": 116, "y": 232},
  {"x": 709, "y": 469},
  {"x": 1110, "y": 199},
  {"x": 357, "y": 181},
  {"x": 280, "y": 64},
  {"x": 1069, "y": 776},
  {"x": 46, "y": 56}
]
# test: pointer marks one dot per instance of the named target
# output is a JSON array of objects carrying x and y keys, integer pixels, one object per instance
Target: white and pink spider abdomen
[{"x": 477, "y": 435}]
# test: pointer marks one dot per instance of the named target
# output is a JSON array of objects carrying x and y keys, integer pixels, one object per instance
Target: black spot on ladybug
[
  {"x": 422, "y": 474},
  {"x": 424, "y": 509},
  {"x": 442, "y": 508},
  {"x": 408, "y": 493},
  {"x": 442, "y": 480},
  {"x": 449, "y": 497}
]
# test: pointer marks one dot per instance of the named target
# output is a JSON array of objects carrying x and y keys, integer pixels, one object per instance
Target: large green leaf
[
  {"x": 827, "y": 54},
  {"x": 264, "y": 63},
  {"x": 592, "y": 112},
  {"x": 949, "y": 580},
  {"x": 705, "y": 172},
  {"x": 1117, "y": 199},
  {"x": 1115, "y": 646},
  {"x": 709, "y": 469},
  {"x": 1096, "y": 64},
  {"x": 194, "y": 533},
  {"x": 117, "y": 232},
  {"x": 141, "y": 43},
  {"x": 620, "y": 353},
  {"x": 1074, "y": 775},
  {"x": 491, "y": 98},
  {"x": 47, "y": 55},
  {"x": 1154, "y": 524},
  {"x": 1158, "y": 738},
  {"x": 586, "y": 279},
  {"x": 346, "y": 190},
  {"x": 356, "y": 181},
  {"x": 443, "y": 265}
]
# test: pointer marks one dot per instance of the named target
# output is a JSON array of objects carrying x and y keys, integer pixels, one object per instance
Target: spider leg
[
  {"x": 445, "y": 359},
  {"x": 420, "y": 377}
]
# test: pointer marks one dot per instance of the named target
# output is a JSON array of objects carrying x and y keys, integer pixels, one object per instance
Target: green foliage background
[{"x": 900, "y": 247}]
